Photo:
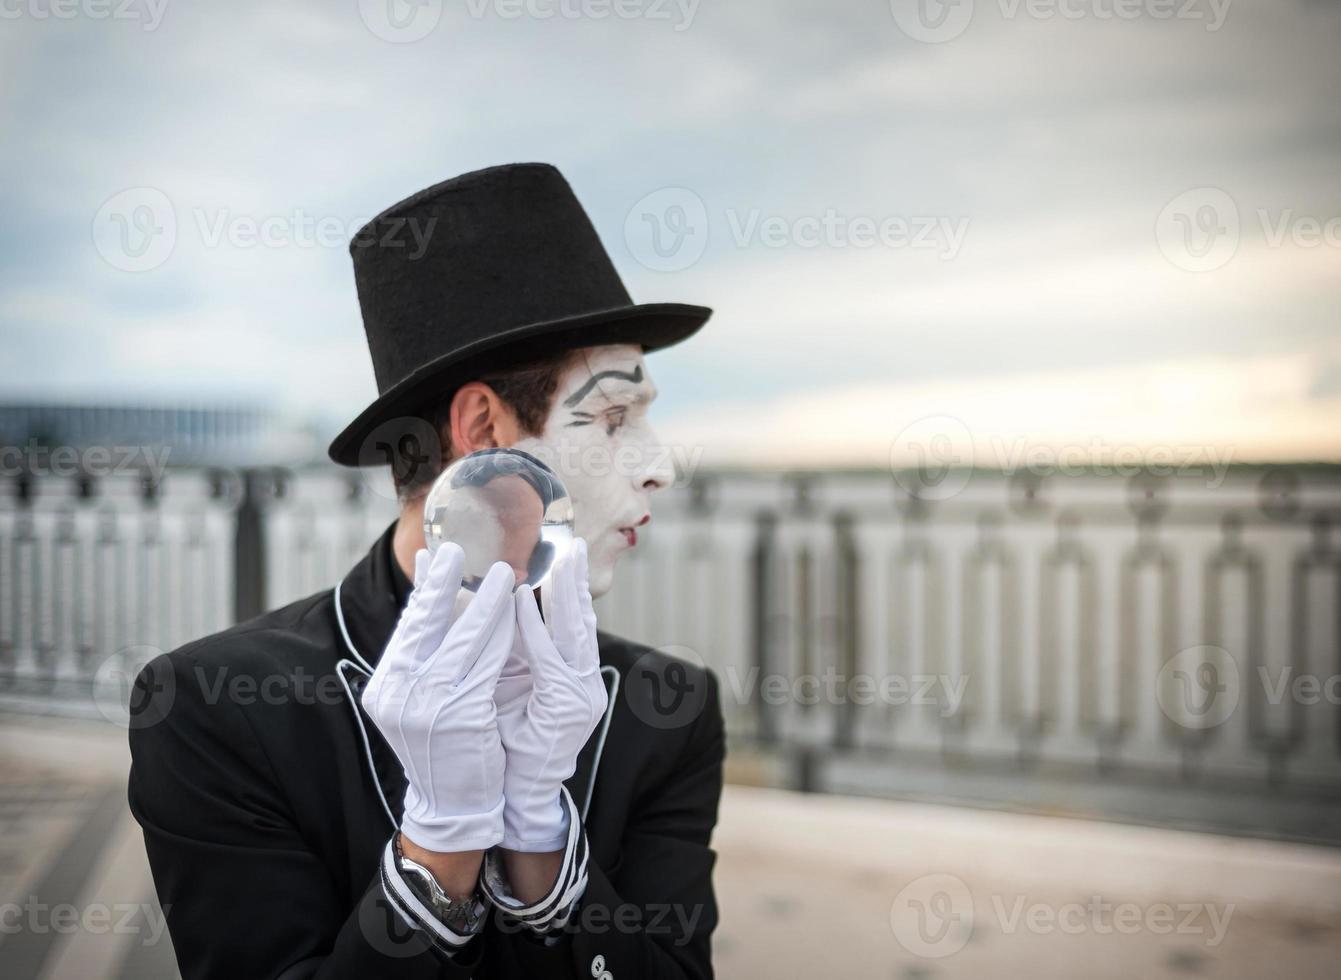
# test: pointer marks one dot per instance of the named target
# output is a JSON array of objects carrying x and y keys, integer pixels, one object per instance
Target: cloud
[
  {"x": 1059, "y": 142},
  {"x": 1232, "y": 410}
]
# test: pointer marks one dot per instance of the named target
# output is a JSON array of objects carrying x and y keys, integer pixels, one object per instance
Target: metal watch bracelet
[{"x": 465, "y": 917}]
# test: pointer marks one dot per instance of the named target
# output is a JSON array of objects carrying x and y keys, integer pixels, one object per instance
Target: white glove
[
  {"x": 549, "y": 700},
  {"x": 432, "y": 698}
]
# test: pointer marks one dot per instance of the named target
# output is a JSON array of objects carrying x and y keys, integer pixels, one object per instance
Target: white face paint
[{"x": 599, "y": 442}]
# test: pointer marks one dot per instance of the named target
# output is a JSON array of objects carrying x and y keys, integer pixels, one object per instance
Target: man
[{"x": 368, "y": 783}]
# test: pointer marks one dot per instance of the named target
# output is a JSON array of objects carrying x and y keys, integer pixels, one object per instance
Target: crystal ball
[{"x": 500, "y": 505}]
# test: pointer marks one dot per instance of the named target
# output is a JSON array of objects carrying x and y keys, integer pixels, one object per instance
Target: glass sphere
[{"x": 500, "y": 505}]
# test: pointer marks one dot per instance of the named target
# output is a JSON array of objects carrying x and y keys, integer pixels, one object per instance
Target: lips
[{"x": 631, "y": 533}]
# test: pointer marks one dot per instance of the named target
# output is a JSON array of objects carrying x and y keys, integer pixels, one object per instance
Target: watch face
[{"x": 465, "y": 916}]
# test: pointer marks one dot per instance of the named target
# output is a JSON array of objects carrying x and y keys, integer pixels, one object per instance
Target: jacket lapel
[
  {"x": 368, "y": 602},
  {"x": 582, "y": 783},
  {"x": 384, "y": 767}
]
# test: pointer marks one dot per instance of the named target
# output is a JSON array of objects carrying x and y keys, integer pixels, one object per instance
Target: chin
[
  {"x": 601, "y": 572},
  {"x": 601, "y": 575}
]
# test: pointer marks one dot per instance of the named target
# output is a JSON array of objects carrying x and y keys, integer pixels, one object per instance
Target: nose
[
  {"x": 658, "y": 471},
  {"x": 657, "y": 481}
]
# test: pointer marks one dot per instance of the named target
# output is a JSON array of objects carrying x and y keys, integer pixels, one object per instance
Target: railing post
[
  {"x": 249, "y": 553},
  {"x": 847, "y": 642},
  {"x": 762, "y": 566}
]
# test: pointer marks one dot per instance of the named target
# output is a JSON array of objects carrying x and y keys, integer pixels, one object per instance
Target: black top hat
[{"x": 480, "y": 272}]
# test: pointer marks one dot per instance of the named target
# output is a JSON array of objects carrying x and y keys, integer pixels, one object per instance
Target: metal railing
[{"x": 1058, "y": 622}]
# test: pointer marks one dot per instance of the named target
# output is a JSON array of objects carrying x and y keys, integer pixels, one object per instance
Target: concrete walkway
[
  {"x": 810, "y": 886},
  {"x": 78, "y": 899},
  {"x": 816, "y": 886}
]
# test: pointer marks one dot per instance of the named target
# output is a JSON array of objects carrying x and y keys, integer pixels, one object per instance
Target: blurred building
[{"x": 138, "y": 436}]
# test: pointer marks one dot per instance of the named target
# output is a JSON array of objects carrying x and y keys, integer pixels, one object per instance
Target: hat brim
[{"x": 650, "y": 325}]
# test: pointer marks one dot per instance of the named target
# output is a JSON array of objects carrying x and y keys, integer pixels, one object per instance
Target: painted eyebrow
[{"x": 635, "y": 376}]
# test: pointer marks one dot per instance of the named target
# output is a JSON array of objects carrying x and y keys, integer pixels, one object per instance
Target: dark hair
[{"x": 527, "y": 389}]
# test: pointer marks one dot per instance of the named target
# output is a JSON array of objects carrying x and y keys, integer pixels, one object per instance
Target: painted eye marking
[
  {"x": 633, "y": 377},
  {"x": 613, "y": 419}
]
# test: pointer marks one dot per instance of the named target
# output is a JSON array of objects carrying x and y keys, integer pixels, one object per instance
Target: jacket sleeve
[
  {"x": 652, "y": 916},
  {"x": 243, "y": 894}
]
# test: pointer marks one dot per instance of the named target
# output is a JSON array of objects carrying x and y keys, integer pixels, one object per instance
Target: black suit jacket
[{"x": 267, "y": 796}]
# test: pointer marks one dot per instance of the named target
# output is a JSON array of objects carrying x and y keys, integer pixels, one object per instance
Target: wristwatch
[{"x": 463, "y": 916}]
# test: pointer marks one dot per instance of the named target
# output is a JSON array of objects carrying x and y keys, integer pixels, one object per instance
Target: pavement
[
  {"x": 815, "y": 886},
  {"x": 78, "y": 901},
  {"x": 809, "y": 885}
]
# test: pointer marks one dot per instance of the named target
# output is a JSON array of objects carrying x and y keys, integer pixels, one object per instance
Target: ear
[{"x": 478, "y": 419}]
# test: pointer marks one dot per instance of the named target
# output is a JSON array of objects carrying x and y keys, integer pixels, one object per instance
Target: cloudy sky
[{"x": 1095, "y": 223}]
